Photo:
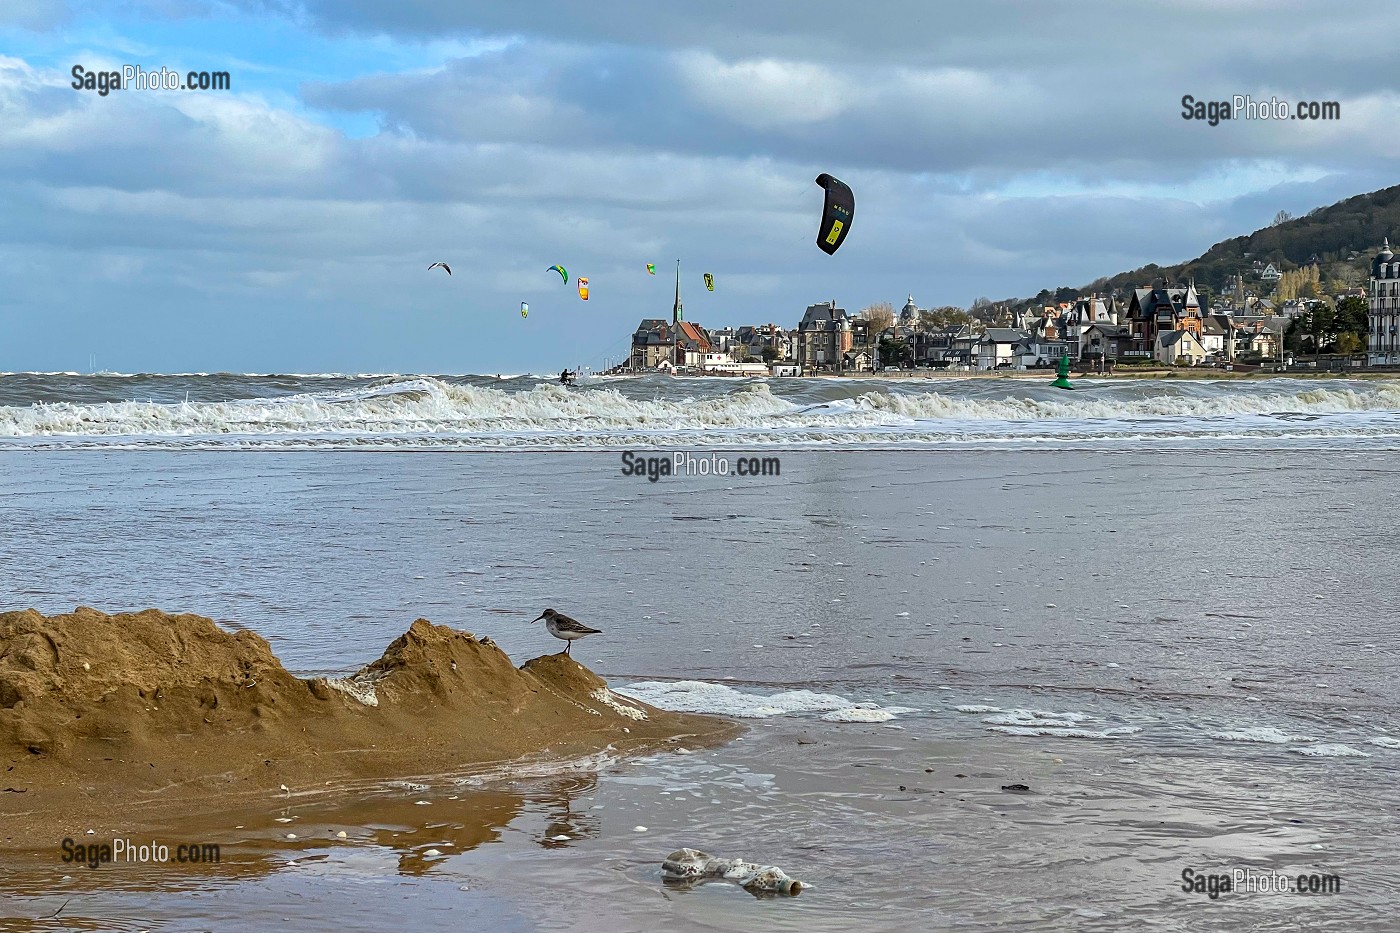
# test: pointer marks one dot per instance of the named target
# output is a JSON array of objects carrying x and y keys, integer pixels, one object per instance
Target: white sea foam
[
  {"x": 856, "y": 714},
  {"x": 541, "y": 768},
  {"x": 422, "y": 405},
  {"x": 618, "y": 704},
  {"x": 697, "y": 696},
  {"x": 360, "y": 689},
  {"x": 426, "y": 412},
  {"x": 1067, "y": 725},
  {"x": 1267, "y": 734},
  {"x": 1204, "y": 401},
  {"x": 1326, "y": 750},
  {"x": 1384, "y": 741},
  {"x": 1061, "y": 733},
  {"x": 1038, "y": 719}
]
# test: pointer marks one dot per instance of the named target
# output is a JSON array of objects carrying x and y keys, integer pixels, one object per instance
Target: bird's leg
[{"x": 567, "y": 646}]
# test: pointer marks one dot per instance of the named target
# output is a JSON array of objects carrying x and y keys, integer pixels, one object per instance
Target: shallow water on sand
[{"x": 1184, "y": 655}]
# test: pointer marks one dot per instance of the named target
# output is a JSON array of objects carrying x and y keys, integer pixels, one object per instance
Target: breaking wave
[{"x": 525, "y": 411}]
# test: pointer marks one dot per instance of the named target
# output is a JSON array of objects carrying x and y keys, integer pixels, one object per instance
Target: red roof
[{"x": 691, "y": 332}]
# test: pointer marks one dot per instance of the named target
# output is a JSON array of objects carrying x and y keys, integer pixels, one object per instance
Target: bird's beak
[{"x": 533, "y": 621}]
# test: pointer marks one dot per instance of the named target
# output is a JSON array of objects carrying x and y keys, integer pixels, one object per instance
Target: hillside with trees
[{"x": 1339, "y": 240}]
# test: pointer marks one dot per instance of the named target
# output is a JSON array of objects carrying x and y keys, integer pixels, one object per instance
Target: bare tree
[
  {"x": 1344, "y": 274},
  {"x": 1282, "y": 217},
  {"x": 880, "y": 315}
]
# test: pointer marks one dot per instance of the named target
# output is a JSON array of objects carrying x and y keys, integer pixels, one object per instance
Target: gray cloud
[
  {"x": 996, "y": 149},
  {"x": 991, "y": 123}
]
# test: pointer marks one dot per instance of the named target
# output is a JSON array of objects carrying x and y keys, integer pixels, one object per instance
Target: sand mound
[
  {"x": 88, "y": 675},
  {"x": 148, "y": 708}
]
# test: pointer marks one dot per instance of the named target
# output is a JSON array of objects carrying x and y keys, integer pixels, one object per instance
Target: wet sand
[{"x": 136, "y": 721}]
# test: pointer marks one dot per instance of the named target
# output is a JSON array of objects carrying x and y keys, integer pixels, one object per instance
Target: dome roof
[{"x": 1384, "y": 256}]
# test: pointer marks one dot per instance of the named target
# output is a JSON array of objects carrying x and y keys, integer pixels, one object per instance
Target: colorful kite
[
  {"x": 651, "y": 269},
  {"x": 709, "y": 281},
  {"x": 444, "y": 267},
  {"x": 840, "y": 207},
  {"x": 524, "y": 309},
  {"x": 563, "y": 273},
  {"x": 583, "y": 288}
]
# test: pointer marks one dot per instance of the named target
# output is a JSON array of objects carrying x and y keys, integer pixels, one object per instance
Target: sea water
[{"x": 1181, "y": 647}]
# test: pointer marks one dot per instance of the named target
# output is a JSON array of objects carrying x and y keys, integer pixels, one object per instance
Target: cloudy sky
[{"x": 285, "y": 225}]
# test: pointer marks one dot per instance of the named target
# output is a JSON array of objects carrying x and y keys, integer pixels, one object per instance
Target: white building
[
  {"x": 1179, "y": 346},
  {"x": 1383, "y": 344},
  {"x": 1001, "y": 348},
  {"x": 1218, "y": 336}
]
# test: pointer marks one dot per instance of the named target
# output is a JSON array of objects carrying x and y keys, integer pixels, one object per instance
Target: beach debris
[
  {"x": 1016, "y": 788},
  {"x": 60, "y": 907},
  {"x": 340, "y": 835},
  {"x": 639, "y": 829},
  {"x": 691, "y": 866}
]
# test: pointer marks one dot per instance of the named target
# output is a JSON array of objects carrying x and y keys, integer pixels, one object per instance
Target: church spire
[{"x": 677, "y": 314}]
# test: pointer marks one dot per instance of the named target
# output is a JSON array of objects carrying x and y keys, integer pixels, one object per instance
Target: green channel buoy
[{"x": 1062, "y": 377}]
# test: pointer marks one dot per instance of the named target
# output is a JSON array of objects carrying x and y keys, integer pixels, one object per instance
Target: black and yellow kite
[{"x": 837, "y": 213}]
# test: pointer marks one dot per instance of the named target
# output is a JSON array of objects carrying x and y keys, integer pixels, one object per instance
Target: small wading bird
[{"x": 561, "y": 626}]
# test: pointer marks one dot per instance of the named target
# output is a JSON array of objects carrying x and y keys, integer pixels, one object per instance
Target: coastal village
[{"x": 1255, "y": 324}]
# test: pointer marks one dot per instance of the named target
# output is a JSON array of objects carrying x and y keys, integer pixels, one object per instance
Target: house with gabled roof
[
  {"x": 1179, "y": 346},
  {"x": 692, "y": 344},
  {"x": 653, "y": 343},
  {"x": 1001, "y": 347},
  {"x": 662, "y": 344},
  {"x": 1163, "y": 308},
  {"x": 823, "y": 336},
  {"x": 1218, "y": 335}
]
